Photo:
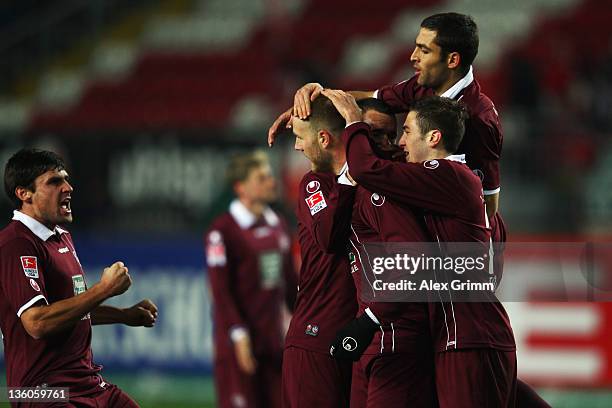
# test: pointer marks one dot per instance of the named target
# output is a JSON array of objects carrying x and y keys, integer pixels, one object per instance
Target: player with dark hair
[
  {"x": 445, "y": 48},
  {"x": 475, "y": 358},
  {"x": 400, "y": 347},
  {"x": 326, "y": 297},
  {"x": 251, "y": 272},
  {"x": 46, "y": 306}
]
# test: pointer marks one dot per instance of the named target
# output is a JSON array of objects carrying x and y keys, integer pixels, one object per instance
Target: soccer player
[
  {"x": 326, "y": 297},
  {"x": 251, "y": 272},
  {"x": 401, "y": 347},
  {"x": 445, "y": 48},
  {"x": 46, "y": 307},
  {"x": 475, "y": 358}
]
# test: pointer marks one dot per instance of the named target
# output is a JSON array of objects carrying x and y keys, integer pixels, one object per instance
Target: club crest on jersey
[
  {"x": 479, "y": 173},
  {"x": 377, "y": 199},
  {"x": 313, "y": 187},
  {"x": 34, "y": 285},
  {"x": 431, "y": 164},
  {"x": 316, "y": 202},
  {"x": 30, "y": 266},
  {"x": 312, "y": 330}
]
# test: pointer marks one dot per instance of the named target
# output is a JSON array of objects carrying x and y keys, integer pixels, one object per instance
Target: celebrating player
[
  {"x": 445, "y": 47},
  {"x": 475, "y": 358},
  {"x": 46, "y": 306},
  {"x": 250, "y": 270},
  {"x": 326, "y": 296}
]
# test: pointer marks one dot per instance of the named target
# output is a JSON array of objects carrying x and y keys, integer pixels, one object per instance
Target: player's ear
[
  {"x": 324, "y": 138},
  {"x": 434, "y": 138},
  {"x": 453, "y": 60},
  {"x": 24, "y": 194}
]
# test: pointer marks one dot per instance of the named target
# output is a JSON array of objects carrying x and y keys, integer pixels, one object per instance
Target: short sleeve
[{"x": 22, "y": 275}]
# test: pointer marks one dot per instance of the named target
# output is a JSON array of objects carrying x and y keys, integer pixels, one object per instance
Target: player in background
[
  {"x": 251, "y": 275},
  {"x": 326, "y": 297},
  {"x": 46, "y": 306},
  {"x": 445, "y": 48},
  {"x": 475, "y": 358}
]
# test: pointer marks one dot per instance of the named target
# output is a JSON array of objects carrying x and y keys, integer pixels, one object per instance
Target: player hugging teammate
[{"x": 446, "y": 189}]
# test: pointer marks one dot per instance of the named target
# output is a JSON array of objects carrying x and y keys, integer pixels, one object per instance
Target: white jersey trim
[
  {"x": 491, "y": 192},
  {"x": 30, "y": 303},
  {"x": 37, "y": 228},
  {"x": 246, "y": 219},
  {"x": 460, "y": 85}
]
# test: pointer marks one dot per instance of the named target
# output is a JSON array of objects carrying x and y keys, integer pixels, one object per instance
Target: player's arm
[
  {"x": 485, "y": 152},
  {"x": 42, "y": 321},
  {"x": 325, "y": 210},
  {"x": 492, "y": 203},
  {"x": 290, "y": 278},
  {"x": 301, "y": 108},
  {"x": 409, "y": 183},
  {"x": 143, "y": 313},
  {"x": 218, "y": 258}
]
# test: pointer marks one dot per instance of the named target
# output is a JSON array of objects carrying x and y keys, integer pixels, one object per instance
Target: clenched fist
[
  {"x": 116, "y": 279},
  {"x": 143, "y": 313}
]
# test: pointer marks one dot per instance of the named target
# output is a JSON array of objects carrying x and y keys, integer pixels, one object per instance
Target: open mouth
[{"x": 65, "y": 206}]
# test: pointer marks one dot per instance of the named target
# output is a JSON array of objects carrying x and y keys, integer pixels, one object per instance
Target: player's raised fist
[
  {"x": 143, "y": 313},
  {"x": 116, "y": 279}
]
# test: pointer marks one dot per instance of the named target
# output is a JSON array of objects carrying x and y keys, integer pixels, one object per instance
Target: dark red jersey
[
  {"x": 482, "y": 143},
  {"x": 251, "y": 272},
  {"x": 39, "y": 266},
  {"x": 376, "y": 219},
  {"x": 450, "y": 195},
  {"x": 326, "y": 298}
]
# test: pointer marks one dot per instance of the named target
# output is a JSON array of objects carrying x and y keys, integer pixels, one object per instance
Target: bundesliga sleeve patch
[
  {"x": 30, "y": 266},
  {"x": 215, "y": 252},
  {"x": 316, "y": 202}
]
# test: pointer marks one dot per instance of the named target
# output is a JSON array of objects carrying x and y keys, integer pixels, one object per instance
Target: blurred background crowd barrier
[{"x": 146, "y": 100}]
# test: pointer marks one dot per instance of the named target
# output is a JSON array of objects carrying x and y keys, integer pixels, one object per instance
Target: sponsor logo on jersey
[
  {"x": 313, "y": 187},
  {"x": 215, "y": 252},
  {"x": 431, "y": 164},
  {"x": 78, "y": 284},
  {"x": 34, "y": 285},
  {"x": 63, "y": 250},
  {"x": 316, "y": 202},
  {"x": 312, "y": 330},
  {"x": 377, "y": 199},
  {"x": 30, "y": 266}
]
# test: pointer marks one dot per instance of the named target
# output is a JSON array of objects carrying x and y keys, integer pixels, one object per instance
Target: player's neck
[
  {"x": 339, "y": 160},
  {"x": 454, "y": 77},
  {"x": 256, "y": 208},
  {"x": 29, "y": 211}
]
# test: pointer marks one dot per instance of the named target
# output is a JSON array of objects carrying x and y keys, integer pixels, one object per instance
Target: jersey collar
[
  {"x": 460, "y": 85},
  {"x": 37, "y": 228},
  {"x": 246, "y": 219},
  {"x": 456, "y": 157}
]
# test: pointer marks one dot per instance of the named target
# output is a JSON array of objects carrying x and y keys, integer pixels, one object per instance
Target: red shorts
[
  {"x": 314, "y": 379},
  {"x": 394, "y": 380},
  {"x": 237, "y": 389},
  {"x": 110, "y": 396},
  {"x": 476, "y": 378}
]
